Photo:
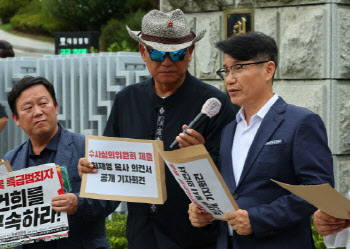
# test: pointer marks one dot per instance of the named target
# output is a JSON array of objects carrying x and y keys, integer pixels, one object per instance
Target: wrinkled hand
[
  {"x": 84, "y": 166},
  {"x": 326, "y": 224},
  {"x": 65, "y": 203},
  {"x": 192, "y": 137},
  {"x": 239, "y": 221},
  {"x": 197, "y": 217}
]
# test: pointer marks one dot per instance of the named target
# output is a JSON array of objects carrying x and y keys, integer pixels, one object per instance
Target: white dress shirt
[
  {"x": 245, "y": 134},
  {"x": 336, "y": 240},
  {"x": 341, "y": 239},
  {"x": 244, "y": 137}
]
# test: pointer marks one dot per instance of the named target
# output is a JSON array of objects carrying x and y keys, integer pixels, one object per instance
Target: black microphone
[{"x": 210, "y": 108}]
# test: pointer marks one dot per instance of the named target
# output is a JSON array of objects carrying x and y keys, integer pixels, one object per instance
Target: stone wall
[{"x": 314, "y": 70}]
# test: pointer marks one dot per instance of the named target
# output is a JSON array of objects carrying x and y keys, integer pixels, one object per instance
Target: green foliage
[
  {"x": 116, "y": 231},
  {"x": 33, "y": 18},
  {"x": 116, "y": 47},
  {"x": 115, "y": 37},
  {"x": 107, "y": 16},
  {"x": 25, "y": 22},
  {"x": 8, "y": 8},
  {"x": 134, "y": 5},
  {"x": 84, "y": 14},
  {"x": 6, "y": 27},
  {"x": 318, "y": 239},
  {"x": 93, "y": 50}
]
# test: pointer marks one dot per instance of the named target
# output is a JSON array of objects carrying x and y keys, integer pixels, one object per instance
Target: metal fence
[{"x": 85, "y": 87}]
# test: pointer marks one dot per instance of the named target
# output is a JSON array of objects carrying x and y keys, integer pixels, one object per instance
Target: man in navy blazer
[
  {"x": 34, "y": 109},
  {"x": 269, "y": 139}
]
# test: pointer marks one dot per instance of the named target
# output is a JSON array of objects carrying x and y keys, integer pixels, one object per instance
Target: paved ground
[{"x": 26, "y": 46}]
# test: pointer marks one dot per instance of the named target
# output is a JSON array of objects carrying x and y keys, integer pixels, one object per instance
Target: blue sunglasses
[{"x": 160, "y": 56}]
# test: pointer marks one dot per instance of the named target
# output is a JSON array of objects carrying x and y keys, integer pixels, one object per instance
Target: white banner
[
  {"x": 26, "y": 213},
  {"x": 128, "y": 170}
]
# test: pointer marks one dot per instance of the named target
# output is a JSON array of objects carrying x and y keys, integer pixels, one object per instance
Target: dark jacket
[
  {"x": 290, "y": 146},
  {"x": 87, "y": 226}
]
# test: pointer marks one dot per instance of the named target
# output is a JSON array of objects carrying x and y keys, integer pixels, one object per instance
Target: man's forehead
[
  {"x": 34, "y": 92},
  {"x": 31, "y": 100}
]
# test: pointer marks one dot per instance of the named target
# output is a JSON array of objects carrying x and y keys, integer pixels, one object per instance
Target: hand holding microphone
[{"x": 210, "y": 108}]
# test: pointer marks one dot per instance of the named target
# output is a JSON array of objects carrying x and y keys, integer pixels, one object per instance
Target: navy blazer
[
  {"x": 297, "y": 153},
  {"x": 87, "y": 225}
]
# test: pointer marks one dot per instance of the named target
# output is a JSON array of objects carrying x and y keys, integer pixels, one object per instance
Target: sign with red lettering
[
  {"x": 198, "y": 176},
  {"x": 128, "y": 170},
  {"x": 26, "y": 214}
]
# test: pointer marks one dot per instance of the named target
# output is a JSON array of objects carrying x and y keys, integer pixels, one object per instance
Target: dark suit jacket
[
  {"x": 87, "y": 226},
  {"x": 279, "y": 219}
]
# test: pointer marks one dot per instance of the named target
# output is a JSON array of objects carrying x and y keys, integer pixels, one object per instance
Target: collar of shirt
[
  {"x": 52, "y": 145},
  {"x": 244, "y": 136},
  {"x": 260, "y": 114},
  {"x": 172, "y": 99}
]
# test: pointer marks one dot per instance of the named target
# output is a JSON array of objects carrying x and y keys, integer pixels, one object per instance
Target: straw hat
[{"x": 166, "y": 32}]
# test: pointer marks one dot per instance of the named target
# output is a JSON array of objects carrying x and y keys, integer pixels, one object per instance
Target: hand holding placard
[
  {"x": 120, "y": 163},
  {"x": 26, "y": 195},
  {"x": 198, "y": 176}
]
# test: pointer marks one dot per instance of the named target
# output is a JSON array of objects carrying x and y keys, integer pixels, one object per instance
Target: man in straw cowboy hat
[{"x": 158, "y": 108}]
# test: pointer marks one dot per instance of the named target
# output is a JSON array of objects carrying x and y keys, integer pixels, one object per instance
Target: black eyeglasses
[
  {"x": 235, "y": 69},
  {"x": 156, "y": 55}
]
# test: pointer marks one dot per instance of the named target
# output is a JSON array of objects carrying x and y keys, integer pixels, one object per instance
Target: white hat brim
[{"x": 136, "y": 35}]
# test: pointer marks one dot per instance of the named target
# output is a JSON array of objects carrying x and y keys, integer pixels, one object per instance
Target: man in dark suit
[
  {"x": 34, "y": 109},
  {"x": 270, "y": 139}
]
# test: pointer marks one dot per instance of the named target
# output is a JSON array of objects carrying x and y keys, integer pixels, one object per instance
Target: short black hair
[
  {"x": 23, "y": 84},
  {"x": 6, "y": 49},
  {"x": 250, "y": 46}
]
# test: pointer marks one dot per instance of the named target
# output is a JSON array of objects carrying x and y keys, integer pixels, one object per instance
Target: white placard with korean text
[
  {"x": 128, "y": 170},
  {"x": 26, "y": 213},
  {"x": 198, "y": 176}
]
